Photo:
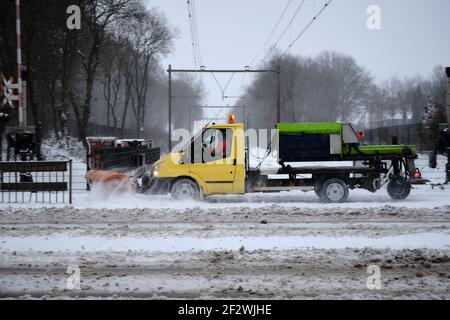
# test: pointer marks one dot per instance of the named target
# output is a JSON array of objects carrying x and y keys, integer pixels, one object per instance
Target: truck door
[{"x": 214, "y": 160}]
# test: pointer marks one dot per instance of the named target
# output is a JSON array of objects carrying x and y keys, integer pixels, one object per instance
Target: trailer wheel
[
  {"x": 334, "y": 191},
  {"x": 399, "y": 188},
  {"x": 185, "y": 189}
]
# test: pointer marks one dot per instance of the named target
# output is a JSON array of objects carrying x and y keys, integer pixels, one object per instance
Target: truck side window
[{"x": 215, "y": 145}]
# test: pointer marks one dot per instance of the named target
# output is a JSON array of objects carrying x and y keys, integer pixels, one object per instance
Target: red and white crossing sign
[{"x": 7, "y": 96}]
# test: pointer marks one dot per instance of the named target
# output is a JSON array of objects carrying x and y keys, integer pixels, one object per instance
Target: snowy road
[
  {"x": 286, "y": 251},
  {"x": 286, "y": 246}
]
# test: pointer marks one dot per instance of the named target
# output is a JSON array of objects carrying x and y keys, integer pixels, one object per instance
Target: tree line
[
  {"x": 332, "y": 86},
  {"x": 107, "y": 72}
]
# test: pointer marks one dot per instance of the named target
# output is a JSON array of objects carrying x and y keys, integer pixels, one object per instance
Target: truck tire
[
  {"x": 185, "y": 189},
  {"x": 318, "y": 187},
  {"x": 334, "y": 191},
  {"x": 399, "y": 188},
  {"x": 318, "y": 191}
]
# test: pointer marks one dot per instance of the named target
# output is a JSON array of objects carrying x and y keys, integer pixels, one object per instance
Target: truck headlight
[{"x": 156, "y": 171}]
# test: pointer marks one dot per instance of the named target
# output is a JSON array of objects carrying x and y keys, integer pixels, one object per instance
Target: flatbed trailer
[{"x": 186, "y": 176}]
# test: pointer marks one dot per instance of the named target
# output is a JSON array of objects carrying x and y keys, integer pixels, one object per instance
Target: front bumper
[{"x": 154, "y": 186}]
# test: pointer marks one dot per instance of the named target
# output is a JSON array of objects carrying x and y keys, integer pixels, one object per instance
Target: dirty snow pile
[{"x": 63, "y": 149}]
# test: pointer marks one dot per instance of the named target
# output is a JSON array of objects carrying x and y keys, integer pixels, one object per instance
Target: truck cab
[{"x": 212, "y": 163}]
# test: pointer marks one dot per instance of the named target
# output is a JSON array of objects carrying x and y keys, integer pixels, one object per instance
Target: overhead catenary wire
[
  {"x": 194, "y": 12},
  {"x": 217, "y": 81},
  {"x": 195, "y": 42},
  {"x": 196, "y": 48},
  {"x": 191, "y": 27},
  {"x": 272, "y": 32},
  {"x": 297, "y": 11},
  {"x": 308, "y": 25},
  {"x": 195, "y": 39},
  {"x": 229, "y": 81},
  {"x": 223, "y": 89}
]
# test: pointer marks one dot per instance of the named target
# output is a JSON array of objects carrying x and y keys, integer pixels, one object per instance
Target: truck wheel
[
  {"x": 334, "y": 191},
  {"x": 185, "y": 189},
  {"x": 318, "y": 188},
  {"x": 318, "y": 191},
  {"x": 399, "y": 188}
]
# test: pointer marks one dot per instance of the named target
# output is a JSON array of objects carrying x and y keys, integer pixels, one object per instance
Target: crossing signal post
[
  {"x": 10, "y": 97},
  {"x": 6, "y": 93},
  {"x": 447, "y": 71},
  {"x": 21, "y": 100}
]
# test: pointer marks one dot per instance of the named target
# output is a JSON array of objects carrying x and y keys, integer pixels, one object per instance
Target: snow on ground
[
  {"x": 420, "y": 197},
  {"x": 64, "y": 149},
  {"x": 181, "y": 244},
  {"x": 273, "y": 252},
  {"x": 286, "y": 246}
]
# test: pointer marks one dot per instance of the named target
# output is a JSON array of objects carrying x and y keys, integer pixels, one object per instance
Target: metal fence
[
  {"x": 79, "y": 183},
  {"x": 36, "y": 181},
  {"x": 114, "y": 158},
  {"x": 415, "y": 134}
]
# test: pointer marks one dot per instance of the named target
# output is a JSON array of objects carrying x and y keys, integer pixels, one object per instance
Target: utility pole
[
  {"x": 278, "y": 94},
  {"x": 170, "y": 107},
  {"x": 447, "y": 71}
]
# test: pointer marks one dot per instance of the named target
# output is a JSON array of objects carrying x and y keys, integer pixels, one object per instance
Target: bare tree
[
  {"x": 330, "y": 87},
  {"x": 418, "y": 103},
  {"x": 345, "y": 86},
  {"x": 186, "y": 110},
  {"x": 149, "y": 36},
  {"x": 112, "y": 79},
  {"x": 67, "y": 69},
  {"x": 100, "y": 15}
]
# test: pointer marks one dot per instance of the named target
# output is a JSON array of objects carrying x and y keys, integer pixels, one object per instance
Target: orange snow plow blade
[{"x": 111, "y": 181}]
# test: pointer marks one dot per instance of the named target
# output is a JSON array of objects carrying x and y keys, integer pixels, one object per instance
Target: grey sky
[{"x": 414, "y": 35}]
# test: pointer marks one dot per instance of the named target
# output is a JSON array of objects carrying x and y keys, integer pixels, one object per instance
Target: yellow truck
[{"x": 216, "y": 161}]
